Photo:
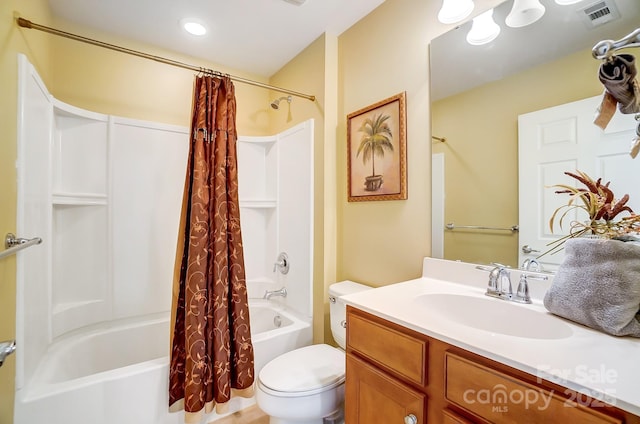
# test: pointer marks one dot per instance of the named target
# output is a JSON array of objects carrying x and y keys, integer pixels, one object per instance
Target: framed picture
[{"x": 377, "y": 151}]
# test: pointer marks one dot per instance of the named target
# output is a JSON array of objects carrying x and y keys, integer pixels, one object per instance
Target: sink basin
[{"x": 494, "y": 316}]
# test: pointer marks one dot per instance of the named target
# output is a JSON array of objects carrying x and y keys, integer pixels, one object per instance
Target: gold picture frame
[{"x": 377, "y": 151}]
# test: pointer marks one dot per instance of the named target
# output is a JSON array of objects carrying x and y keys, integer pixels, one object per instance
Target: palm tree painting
[
  {"x": 375, "y": 140},
  {"x": 377, "y": 157}
]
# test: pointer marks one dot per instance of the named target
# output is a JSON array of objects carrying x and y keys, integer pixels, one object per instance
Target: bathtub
[{"x": 119, "y": 373}]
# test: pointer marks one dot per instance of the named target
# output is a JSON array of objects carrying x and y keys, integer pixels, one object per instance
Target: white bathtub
[{"x": 119, "y": 374}]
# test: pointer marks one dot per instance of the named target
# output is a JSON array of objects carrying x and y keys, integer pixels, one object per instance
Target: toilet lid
[{"x": 304, "y": 369}]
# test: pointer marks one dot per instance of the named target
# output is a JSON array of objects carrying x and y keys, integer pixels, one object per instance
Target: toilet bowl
[{"x": 306, "y": 385}]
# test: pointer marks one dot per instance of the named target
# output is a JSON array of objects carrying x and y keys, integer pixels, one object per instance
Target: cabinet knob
[{"x": 410, "y": 419}]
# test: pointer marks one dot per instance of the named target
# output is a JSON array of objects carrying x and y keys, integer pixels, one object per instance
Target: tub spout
[
  {"x": 6, "y": 349},
  {"x": 269, "y": 293}
]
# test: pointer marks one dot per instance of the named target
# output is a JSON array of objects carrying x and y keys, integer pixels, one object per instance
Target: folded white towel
[{"x": 598, "y": 285}]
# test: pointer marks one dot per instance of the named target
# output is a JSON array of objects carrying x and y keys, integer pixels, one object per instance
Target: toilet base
[{"x": 336, "y": 418}]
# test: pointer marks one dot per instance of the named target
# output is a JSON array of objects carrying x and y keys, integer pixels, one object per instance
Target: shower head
[{"x": 276, "y": 103}]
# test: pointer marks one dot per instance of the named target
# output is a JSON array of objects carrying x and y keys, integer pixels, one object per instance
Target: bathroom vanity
[{"x": 436, "y": 350}]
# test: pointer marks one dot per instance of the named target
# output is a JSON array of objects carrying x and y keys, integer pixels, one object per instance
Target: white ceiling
[{"x": 256, "y": 36}]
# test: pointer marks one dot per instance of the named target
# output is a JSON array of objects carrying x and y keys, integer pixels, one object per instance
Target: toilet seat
[{"x": 304, "y": 371}]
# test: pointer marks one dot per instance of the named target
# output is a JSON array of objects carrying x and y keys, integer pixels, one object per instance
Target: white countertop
[{"x": 604, "y": 367}]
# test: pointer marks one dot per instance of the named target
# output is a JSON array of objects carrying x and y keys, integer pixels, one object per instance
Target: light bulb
[
  {"x": 453, "y": 11},
  {"x": 524, "y": 12},
  {"x": 483, "y": 29}
]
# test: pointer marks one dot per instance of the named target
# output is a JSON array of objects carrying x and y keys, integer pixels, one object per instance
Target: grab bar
[
  {"x": 13, "y": 244},
  {"x": 452, "y": 226}
]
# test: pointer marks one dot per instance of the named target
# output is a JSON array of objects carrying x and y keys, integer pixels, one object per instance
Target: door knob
[
  {"x": 528, "y": 249},
  {"x": 410, "y": 419}
]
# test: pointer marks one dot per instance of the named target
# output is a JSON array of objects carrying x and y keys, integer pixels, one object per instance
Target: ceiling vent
[
  {"x": 296, "y": 2},
  {"x": 599, "y": 13}
]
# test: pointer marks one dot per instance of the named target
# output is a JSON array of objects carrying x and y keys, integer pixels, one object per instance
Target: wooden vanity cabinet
[
  {"x": 394, "y": 374},
  {"x": 386, "y": 372}
]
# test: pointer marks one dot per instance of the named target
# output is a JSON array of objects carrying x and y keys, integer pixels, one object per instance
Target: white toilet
[{"x": 307, "y": 384}]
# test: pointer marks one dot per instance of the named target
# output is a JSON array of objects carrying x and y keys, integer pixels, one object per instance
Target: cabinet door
[{"x": 374, "y": 397}]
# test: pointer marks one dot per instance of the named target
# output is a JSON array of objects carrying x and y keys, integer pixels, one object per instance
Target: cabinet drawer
[
  {"x": 500, "y": 398},
  {"x": 390, "y": 349}
]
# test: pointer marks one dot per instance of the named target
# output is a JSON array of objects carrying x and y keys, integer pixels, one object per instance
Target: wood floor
[{"x": 251, "y": 415}]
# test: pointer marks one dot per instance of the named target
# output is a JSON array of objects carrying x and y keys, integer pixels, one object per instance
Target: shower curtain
[{"x": 211, "y": 348}]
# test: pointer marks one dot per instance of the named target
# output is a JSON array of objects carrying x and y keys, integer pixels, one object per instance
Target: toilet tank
[{"x": 338, "y": 309}]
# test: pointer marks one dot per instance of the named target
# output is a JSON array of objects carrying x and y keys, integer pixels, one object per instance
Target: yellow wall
[
  {"x": 13, "y": 40},
  {"x": 383, "y": 54},
  {"x": 481, "y": 152},
  {"x": 314, "y": 71},
  {"x": 386, "y": 53},
  {"x": 115, "y": 83}
]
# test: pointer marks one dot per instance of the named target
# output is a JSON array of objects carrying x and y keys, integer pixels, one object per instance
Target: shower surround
[{"x": 104, "y": 193}]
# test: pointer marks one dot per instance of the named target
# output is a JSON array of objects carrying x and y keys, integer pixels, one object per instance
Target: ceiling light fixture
[
  {"x": 453, "y": 11},
  {"x": 567, "y": 2},
  {"x": 524, "y": 12},
  {"x": 483, "y": 29},
  {"x": 193, "y": 26}
]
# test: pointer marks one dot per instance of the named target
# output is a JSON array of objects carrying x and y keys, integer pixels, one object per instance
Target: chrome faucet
[
  {"x": 270, "y": 293},
  {"x": 531, "y": 265},
  {"x": 499, "y": 282},
  {"x": 6, "y": 349},
  {"x": 499, "y": 285}
]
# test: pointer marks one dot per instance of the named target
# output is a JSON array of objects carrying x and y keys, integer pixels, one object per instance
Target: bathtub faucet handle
[{"x": 282, "y": 263}]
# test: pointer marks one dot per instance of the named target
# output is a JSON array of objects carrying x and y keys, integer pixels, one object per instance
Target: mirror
[{"x": 477, "y": 93}]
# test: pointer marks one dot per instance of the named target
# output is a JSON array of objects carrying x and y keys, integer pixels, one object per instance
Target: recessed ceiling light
[{"x": 193, "y": 26}]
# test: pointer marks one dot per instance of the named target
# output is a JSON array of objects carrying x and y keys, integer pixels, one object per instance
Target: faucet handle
[
  {"x": 504, "y": 282},
  {"x": 522, "y": 293},
  {"x": 282, "y": 263},
  {"x": 493, "y": 280},
  {"x": 494, "y": 276}
]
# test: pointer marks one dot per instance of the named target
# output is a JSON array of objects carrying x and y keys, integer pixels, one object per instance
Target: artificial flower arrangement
[
  {"x": 602, "y": 207},
  {"x": 598, "y": 282}
]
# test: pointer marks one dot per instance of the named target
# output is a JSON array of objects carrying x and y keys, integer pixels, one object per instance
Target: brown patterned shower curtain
[{"x": 211, "y": 349}]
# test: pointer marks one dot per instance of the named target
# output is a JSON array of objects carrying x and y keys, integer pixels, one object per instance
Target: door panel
[{"x": 564, "y": 138}]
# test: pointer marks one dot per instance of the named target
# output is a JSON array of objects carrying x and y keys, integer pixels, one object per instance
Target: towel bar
[
  {"x": 13, "y": 244},
  {"x": 452, "y": 226}
]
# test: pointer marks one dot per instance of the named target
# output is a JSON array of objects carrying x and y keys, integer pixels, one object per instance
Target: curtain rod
[{"x": 25, "y": 23}]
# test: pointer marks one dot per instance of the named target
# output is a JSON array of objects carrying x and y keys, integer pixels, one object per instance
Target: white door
[{"x": 564, "y": 138}]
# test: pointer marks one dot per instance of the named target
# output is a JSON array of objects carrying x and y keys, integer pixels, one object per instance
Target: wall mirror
[{"x": 477, "y": 94}]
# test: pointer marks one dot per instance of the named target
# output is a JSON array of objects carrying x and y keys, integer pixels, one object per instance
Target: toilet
[{"x": 306, "y": 385}]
